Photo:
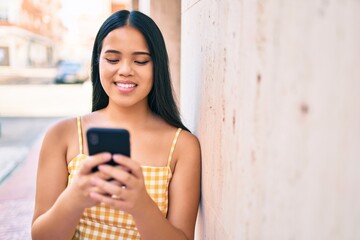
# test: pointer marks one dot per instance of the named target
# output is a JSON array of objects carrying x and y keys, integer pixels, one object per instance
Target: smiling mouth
[{"x": 126, "y": 85}]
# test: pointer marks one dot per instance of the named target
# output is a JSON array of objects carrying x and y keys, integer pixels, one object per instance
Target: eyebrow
[{"x": 134, "y": 53}]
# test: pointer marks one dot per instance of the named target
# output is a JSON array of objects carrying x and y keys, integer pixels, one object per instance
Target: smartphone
[{"x": 112, "y": 140}]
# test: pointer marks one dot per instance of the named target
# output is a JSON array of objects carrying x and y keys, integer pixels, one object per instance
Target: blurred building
[
  {"x": 39, "y": 33},
  {"x": 83, "y": 19},
  {"x": 30, "y": 32}
]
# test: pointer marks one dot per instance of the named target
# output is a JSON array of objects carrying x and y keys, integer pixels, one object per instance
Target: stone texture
[{"x": 271, "y": 88}]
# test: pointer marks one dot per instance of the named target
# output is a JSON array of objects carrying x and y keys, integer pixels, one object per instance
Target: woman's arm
[
  {"x": 58, "y": 208},
  {"x": 51, "y": 182},
  {"x": 184, "y": 190},
  {"x": 184, "y": 194}
]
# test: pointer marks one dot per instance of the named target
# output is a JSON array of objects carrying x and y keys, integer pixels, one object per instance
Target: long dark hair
[{"x": 161, "y": 98}]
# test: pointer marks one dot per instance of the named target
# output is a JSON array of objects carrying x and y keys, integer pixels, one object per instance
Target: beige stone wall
[{"x": 272, "y": 89}]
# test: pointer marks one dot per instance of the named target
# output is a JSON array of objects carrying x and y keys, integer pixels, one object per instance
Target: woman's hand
[
  {"x": 81, "y": 187},
  {"x": 127, "y": 191}
]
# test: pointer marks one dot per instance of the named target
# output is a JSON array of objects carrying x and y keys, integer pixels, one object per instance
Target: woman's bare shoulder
[
  {"x": 62, "y": 127},
  {"x": 188, "y": 141},
  {"x": 187, "y": 150},
  {"x": 60, "y": 134}
]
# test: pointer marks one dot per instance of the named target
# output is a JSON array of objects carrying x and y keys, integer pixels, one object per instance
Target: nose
[{"x": 125, "y": 68}]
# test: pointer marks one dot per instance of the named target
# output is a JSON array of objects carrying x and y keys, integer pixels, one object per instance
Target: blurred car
[{"x": 71, "y": 72}]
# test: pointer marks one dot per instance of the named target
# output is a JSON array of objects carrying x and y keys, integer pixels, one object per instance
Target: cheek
[
  {"x": 102, "y": 71},
  {"x": 105, "y": 71},
  {"x": 149, "y": 81},
  {"x": 150, "y": 75}
]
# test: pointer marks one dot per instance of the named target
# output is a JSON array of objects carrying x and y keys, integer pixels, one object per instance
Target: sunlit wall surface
[{"x": 272, "y": 90}]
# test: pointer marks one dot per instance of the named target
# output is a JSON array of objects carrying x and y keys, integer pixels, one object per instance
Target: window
[
  {"x": 4, "y": 11},
  {"x": 4, "y": 16},
  {"x": 4, "y": 56}
]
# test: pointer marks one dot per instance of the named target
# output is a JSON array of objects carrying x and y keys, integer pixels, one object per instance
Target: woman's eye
[
  {"x": 113, "y": 61},
  {"x": 142, "y": 62}
]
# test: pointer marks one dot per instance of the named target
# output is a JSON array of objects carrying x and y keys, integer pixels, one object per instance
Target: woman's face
[{"x": 126, "y": 68}]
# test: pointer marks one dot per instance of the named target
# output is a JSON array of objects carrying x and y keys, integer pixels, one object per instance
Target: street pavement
[
  {"x": 20, "y": 141},
  {"x": 26, "y": 112}
]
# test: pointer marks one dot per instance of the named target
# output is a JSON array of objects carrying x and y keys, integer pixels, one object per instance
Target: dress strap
[
  {"x": 173, "y": 146},
  {"x": 79, "y": 128}
]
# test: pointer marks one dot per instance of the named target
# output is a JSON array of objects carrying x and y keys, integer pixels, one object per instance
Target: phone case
[{"x": 112, "y": 140}]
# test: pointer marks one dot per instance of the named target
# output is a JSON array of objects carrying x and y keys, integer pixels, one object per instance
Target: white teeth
[{"x": 126, "y": 85}]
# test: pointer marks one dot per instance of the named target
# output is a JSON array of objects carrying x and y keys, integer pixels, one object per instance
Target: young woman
[{"x": 153, "y": 195}]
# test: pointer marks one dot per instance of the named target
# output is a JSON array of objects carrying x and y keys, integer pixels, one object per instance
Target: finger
[
  {"x": 126, "y": 162},
  {"x": 102, "y": 175},
  {"x": 109, "y": 200},
  {"x": 119, "y": 184},
  {"x": 93, "y": 161},
  {"x": 118, "y": 174},
  {"x": 111, "y": 188},
  {"x": 124, "y": 168},
  {"x": 95, "y": 188}
]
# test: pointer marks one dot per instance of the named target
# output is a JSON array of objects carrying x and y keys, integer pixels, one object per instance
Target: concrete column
[
  {"x": 167, "y": 15},
  {"x": 135, "y": 5},
  {"x": 144, "y": 6}
]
